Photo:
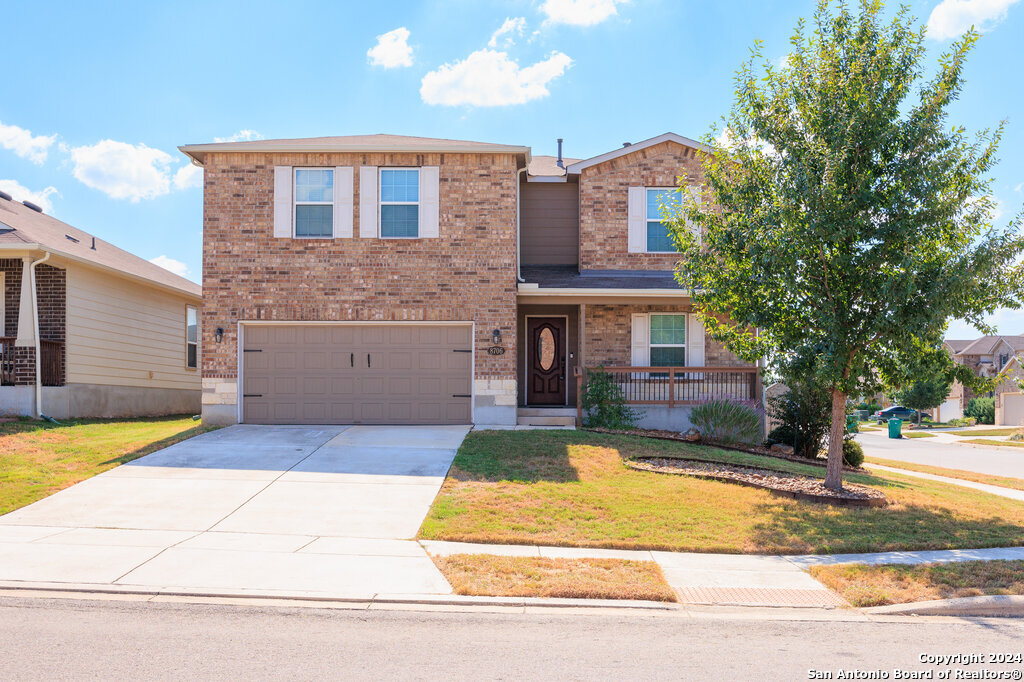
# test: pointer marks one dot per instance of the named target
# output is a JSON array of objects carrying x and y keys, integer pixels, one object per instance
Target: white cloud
[
  {"x": 579, "y": 12},
  {"x": 1019, "y": 187},
  {"x": 188, "y": 177},
  {"x": 392, "y": 49},
  {"x": 26, "y": 145},
  {"x": 22, "y": 193},
  {"x": 508, "y": 31},
  {"x": 175, "y": 266},
  {"x": 123, "y": 171},
  {"x": 244, "y": 135},
  {"x": 951, "y": 18},
  {"x": 487, "y": 78}
]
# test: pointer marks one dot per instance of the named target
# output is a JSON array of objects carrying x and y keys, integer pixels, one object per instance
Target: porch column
[
  {"x": 26, "y": 308},
  {"x": 583, "y": 336}
]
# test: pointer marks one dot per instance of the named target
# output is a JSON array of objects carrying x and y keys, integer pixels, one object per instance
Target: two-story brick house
[{"x": 389, "y": 279}]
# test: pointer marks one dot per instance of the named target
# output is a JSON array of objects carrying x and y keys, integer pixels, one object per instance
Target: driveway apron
[{"x": 313, "y": 510}]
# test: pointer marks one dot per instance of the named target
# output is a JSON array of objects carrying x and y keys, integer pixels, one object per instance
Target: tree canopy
[{"x": 843, "y": 217}]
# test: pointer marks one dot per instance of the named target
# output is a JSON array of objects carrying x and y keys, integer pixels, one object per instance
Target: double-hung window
[
  {"x": 668, "y": 340},
  {"x": 400, "y": 202},
  {"x": 314, "y": 202},
  {"x": 658, "y": 238},
  {"x": 191, "y": 337}
]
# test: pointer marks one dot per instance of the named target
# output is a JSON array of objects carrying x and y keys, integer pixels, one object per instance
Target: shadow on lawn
[
  {"x": 518, "y": 456},
  {"x": 817, "y": 528}
]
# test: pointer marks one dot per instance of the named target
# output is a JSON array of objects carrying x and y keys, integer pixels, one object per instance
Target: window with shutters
[
  {"x": 659, "y": 240},
  {"x": 668, "y": 340},
  {"x": 400, "y": 203},
  {"x": 191, "y": 337},
  {"x": 314, "y": 202}
]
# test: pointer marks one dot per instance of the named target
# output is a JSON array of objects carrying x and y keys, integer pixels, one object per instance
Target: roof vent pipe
[
  {"x": 93, "y": 247},
  {"x": 33, "y": 206},
  {"x": 627, "y": 144},
  {"x": 5, "y": 195},
  {"x": 559, "y": 162}
]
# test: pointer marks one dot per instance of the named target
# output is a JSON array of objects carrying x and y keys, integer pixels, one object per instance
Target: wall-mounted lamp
[
  {"x": 496, "y": 337},
  {"x": 219, "y": 334}
]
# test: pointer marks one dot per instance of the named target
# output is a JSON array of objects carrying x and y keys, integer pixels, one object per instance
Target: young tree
[
  {"x": 923, "y": 394},
  {"x": 850, "y": 221}
]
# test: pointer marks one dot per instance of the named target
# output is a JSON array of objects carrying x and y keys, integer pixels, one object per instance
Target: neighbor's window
[
  {"x": 314, "y": 202},
  {"x": 191, "y": 338},
  {"x": 658, "y": 238},
  {"x": 399, "y": 202},
  {"x": 668, "y": 340}
]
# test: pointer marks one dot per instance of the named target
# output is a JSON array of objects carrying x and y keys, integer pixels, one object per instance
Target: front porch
[{"x": 18, "y": 325}]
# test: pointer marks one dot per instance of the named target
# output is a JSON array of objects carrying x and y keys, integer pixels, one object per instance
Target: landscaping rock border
[{"x": 780, "y": 483}]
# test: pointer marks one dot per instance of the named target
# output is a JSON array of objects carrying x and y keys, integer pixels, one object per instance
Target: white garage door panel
[
  {"x": 1013, "y": 409},
  {"x": 362, "y": 374}
]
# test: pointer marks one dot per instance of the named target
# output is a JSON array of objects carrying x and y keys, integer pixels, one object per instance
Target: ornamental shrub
[
  {"x": 728, "y": 421},
  {"x": 853, "y": 453},
  {"x": 605, "y": 404},
  {"x": 982, "y": 409},
  {"x": 804, "y": 414}
]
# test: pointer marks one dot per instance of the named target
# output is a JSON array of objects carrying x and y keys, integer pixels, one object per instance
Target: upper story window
[
  {"x": 399, "y": 202},
  {"x": 668, "y": 340},
  {"x": 659, "y": 240},
  {"x": 314, "y": 202},
  {"x": 191, "y": 337}
]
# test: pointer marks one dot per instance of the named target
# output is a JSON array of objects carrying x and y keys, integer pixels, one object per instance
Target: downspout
[
  {"x": 35, "y": 326},
  {"x": 519, "y": 201}
]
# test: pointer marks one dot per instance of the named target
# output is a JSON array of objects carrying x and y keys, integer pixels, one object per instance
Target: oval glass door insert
[{"x": 546, "y": 349}]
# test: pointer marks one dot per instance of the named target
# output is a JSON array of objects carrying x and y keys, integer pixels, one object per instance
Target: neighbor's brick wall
[
  {"x": 51, "y": 289},
  {"x": 468, "y": 273},
  {"x": 604, "y": 204},
  {"x": 609, "y": 335},
  {"x": 11, "y": 267}
]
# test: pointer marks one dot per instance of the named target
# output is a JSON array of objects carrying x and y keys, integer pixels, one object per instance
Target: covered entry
[{"x": 321, "y": 373}]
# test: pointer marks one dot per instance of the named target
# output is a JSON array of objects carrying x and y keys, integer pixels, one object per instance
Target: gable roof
[
  {"x": 23, "y": 228},
  {"x": 636, "y": 146},
  {"x": 547, "y": 166},
  {"x": 987, "y": 345},
  {"x": 957, "y": 345},
  {"x": 355, "y": 143}
]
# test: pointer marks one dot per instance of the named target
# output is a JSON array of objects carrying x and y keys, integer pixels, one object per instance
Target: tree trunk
[{"x": 834, "y": 468}]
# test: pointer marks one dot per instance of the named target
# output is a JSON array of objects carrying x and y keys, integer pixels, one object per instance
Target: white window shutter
[
  {"x": 430, "y": 177},
  {"x": 368, "y": 201},
  {"x": 342, "y": 202},
  {"x": 641, "y": 340},
  {"x": 283, "y": 201},
  {"x": 694, "y": 344},
  {"x": 637, "y": 216}
]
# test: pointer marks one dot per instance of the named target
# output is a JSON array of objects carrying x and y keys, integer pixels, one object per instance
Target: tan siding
[
  {"x": 550, "y": 223},
  {"x": 122, "y": 333}
]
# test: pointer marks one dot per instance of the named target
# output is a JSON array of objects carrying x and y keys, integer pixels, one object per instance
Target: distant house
[
  {"x": 987, "y": 357},
  {"x": 90, "y": 330}
]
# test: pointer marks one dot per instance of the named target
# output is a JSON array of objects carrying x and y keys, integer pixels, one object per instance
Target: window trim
[
  {"x": 188, "y": 343},
  {"x": 296, "y": 203},
  {"x": 648, "y": 219},
  {"x": 686, "y": 336},
  {"x": 381, "y": 203}
]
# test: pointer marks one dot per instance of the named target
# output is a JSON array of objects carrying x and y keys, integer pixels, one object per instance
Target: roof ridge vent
[
  {"x": 35, "y": 208},
  {"x": 5, "y": 195}
]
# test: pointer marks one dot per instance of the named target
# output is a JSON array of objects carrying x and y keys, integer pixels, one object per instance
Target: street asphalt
[
  {"x": 68, "y": 639},
  {"x": 943, "y": 451}
]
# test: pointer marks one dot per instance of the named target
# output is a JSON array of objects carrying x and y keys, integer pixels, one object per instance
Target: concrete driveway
[{"x": 311, "y": 510}]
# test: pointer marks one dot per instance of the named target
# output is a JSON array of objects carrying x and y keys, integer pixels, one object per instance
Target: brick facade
[
  {"x": 468, "y": 273},
  {"x": 11, "y": 267},
  {"x": 51, "y": 292},
  {"x": 604, "y": 204}
]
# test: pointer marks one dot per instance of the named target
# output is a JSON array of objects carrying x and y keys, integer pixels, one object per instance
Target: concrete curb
[{"x": 1006, "y": 606}]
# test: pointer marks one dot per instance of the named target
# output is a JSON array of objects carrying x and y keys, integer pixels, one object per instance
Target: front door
[{"x": 545, "y": 360}]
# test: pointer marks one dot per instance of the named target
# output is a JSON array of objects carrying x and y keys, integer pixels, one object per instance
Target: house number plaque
[{"x": 496, "y": 350}]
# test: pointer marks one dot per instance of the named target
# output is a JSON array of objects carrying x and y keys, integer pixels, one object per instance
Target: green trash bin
[
  {"x": 895, "y": 426},
  {"x": 851, "y": 423}
]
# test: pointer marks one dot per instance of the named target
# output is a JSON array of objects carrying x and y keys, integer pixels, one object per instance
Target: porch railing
[
  {"x": 675, "y": 386},
  {"x": 51, "y": 362}
]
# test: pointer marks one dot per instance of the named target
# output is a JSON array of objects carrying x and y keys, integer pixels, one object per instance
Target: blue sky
[{"x": 96, "y": 99}]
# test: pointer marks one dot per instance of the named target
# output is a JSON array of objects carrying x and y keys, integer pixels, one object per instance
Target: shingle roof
[
  {"x": 354, "y": 143},
  {"x": 958, "y": 344},
  {"x": 566, "y": 277},
  {"x": 32, "y": 227},
  {"x": 986, "y": 345},
  {"x": 547, "y": 166}
]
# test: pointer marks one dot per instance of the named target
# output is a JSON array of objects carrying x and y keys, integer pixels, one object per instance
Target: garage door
[
  {"x": 1013, "y": 409},
  {"x": 357, "y": 374}
]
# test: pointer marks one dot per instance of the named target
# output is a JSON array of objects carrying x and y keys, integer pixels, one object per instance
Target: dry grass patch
[
  {"x": 1002, "y": 481},
  {"x": 572, "y": 488},
  {"x": 863, "y": 585},
  {"x": 977, "y": 433},
  {"x": 39, "y": 458},
  {"x": 506, "y": 576},
  {"x": 987, "y": 441},
  {"x": 917, "y": 434}
]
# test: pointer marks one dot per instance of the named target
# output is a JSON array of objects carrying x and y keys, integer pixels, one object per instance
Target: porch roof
[{"x": 568, "y": 277}]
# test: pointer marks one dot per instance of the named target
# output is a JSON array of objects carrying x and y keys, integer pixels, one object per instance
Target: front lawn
[
  {"x": 38, "y": 458},
  {"x": 1002, "y": 481},
  {"x": 917, "y": 434},
  {"x": 901, "y": 584},
  {"x": 978, "y": 433},
  {"x": 508, "y": 576},
  {"x": 571, "y": 488},
  {"x": 1001, "y": 443}
]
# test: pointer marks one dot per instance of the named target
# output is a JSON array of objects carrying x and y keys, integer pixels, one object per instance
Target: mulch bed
[{"x": 777, "y": 482}]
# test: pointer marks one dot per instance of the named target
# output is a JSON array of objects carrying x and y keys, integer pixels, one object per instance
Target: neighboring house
[
  {"x": 89, "y": 330},
  {"x": 390, "y": 279},
  {"x": 1008, "y": 396},
  {"x": 987, "y": 356}
]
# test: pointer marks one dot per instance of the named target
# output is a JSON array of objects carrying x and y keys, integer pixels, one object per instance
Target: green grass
[
  {"x": 917, "y": 434},
  {"x": 987, "y": 441},
  {"x": 1002, "y": 481},
  {"x": 572, "y": 488},
  {"x": 863, "y": 585},
  {"x": 38, "y": 458},
  {"x": 985, "y": 432}
]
